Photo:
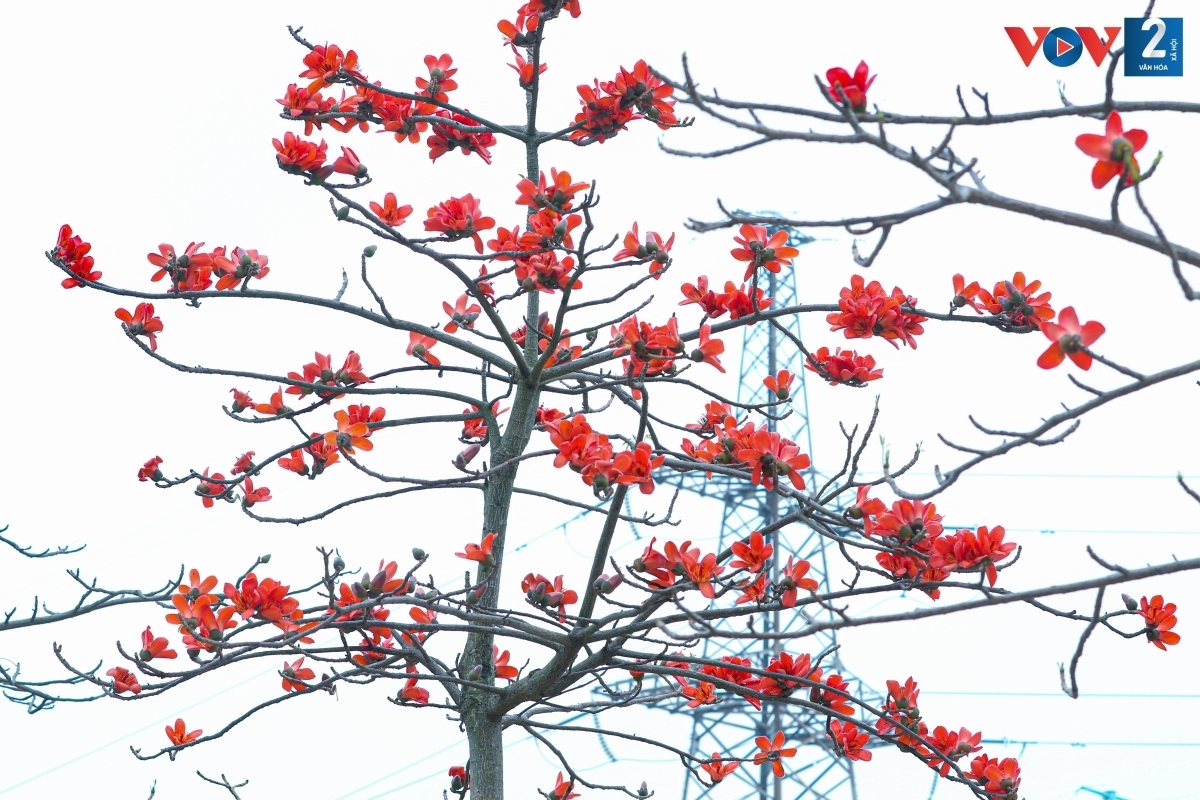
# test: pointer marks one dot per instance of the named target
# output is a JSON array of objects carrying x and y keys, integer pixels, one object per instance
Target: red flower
[
  {"x": 124, "y": 681},
  {"x": 500, "y": 662},
  {"x": 602, "y": 116},
  {"x": 72, "y": 253},
  {"x": 481, "y": 552},
  {"x": 752, "y": 554},
  {"x": 241, "y": 401},
  {"x": 349, "y": 164},
  {"x": 419, "y": 346},
  {"x": 644, "y": 91},
  {"x": 445, "y": 138},
  {"x": 1016, "y": 300},
  {"x": 557, "y": 195},
  {"x": 1114, "y": 151},
  {"x": 653, "y": 248},
  {"x": 719, "y": 768},
  {"x": 413, "y": 693},
  {"x": 250, "y": 495},
  {"x": 296, "y": 155},
  {"x": 780, "y": 384},
  {"x": 843, "y": 367},
  {"x": 865, "y": 310},
  {"x": 1069, "y": 337},
  {"x": 389, "y": 213},
  {"x": 244, "y": 463},
  {"x": 855, "y": 88},
  {"x": 635, "y": 467},
  {"x": 461, "y": 314},
  {"x": 142, "y": 322},
  {"x": 154, "y": 647},
  {"x": 293, "y": 673},
  {"x": 460, "y": 780},
  {"x": 761, "y": 250},
  {"x": 459, "y": 218},
  {"x": 562, "y": 789},
  {"x": 966, "y": 549},
  {"x": 702, "y": 572},
  {"x": 438, "y": 83},
  {"x": 349, "y": 434},
  {"x": 848, "y": 741},
  {"x": 964, "y": 295},
  {"x": 793, "y": 580},
  {"x": 324, "y": 62},
  {"x": 545, "y": 592},
  {"x": 769, "y": 455},
  {"x": 1003, "y": 778},
  {"x": 702, "y": 694},
  {"x": 1160, "y": 618},
  {"x": 525, "y": 70},
  {"x": 865, "y": 507},
  {"x": 209, "y": 490},
  {"x": 197, "y": 588},
  {"x": 150, "y": 470},
  {"x": 708, "y": 349},
  {"x": 180, "y": 735},
  {"x": 773, "y": 751}
]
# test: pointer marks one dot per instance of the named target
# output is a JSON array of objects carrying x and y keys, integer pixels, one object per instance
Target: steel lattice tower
[{"x": 731, "y": 725}]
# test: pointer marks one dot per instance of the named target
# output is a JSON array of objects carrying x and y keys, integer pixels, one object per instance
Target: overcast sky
[{"x": 153, "y": 124}]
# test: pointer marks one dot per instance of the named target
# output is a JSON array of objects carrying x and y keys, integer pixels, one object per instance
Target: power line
[{"x": 1031, "y": 742}]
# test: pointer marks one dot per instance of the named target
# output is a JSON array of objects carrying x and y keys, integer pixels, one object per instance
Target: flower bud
[
  {"x": 466, "y": 456},
  {"x": 265, "y": 559},
  {"x": 1129, "y": 602},
  {"x": 369, "y": 250},
  {"x": 643, "y": 790},
  {"x": 476, "y": 673},
  {"x": 339, "y": 564},
  {"x": 418, "y": 554},
  {"x": 343, "y": 212}
]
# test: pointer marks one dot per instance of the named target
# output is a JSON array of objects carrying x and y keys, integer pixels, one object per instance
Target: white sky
[{"x": 152, "y": 122}]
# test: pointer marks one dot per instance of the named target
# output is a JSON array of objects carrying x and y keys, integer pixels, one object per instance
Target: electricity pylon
[{"x": 730, "y": 726}]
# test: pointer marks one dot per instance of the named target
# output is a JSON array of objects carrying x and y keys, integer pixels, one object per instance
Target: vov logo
[{"x": 1062, "y": 47}]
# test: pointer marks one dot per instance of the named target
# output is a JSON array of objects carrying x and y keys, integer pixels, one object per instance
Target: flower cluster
[
  {"x": 71, "y": 253},
  {"x": 320, "y": 371},
  {"x": 608, "y": 106},
  {"x": 865, "y": 310},
  {"x": 591, "y": 454},
  {"x": 762, "y": 249},
  {"x": 845, "y": 367},
  {"x": 193, "y": 269},
  {"x": 766, "y": 453},
  {"x": 734, "y": 300},
  {"x": 921, "y": 549}
]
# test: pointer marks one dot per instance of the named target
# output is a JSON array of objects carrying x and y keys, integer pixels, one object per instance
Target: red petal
[
  {"x": 1094, "y": 145},
  {"x": 1137, "y": 137},
  {"x": 1112, "y": 126},
  {"x": 1105, "y": 171},
  {"x": 1051, "y": 358},
  {"x": 1082, "y": 360}
]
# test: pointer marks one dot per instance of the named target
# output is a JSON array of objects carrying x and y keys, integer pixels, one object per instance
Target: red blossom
[
  {"x": 1068, "y": 339},
  {"x": 848, "y": 741},
  {"x": 445, "y": 138},
  {"x": 1018, "y": 302},
  {"x": 843, "y": 367},
  {"x": 1160, "y": 619},
  {"x": 154, "y": 647},
  {"x": 72, "y": 252},
  {"x": 208, "y": 490},
  {"x": 772, "y": 751},
  {"x": 124, "y": 681},
  {"x": 459, "y": 218},
  {"x": 293, "y": 674},
  {"x": 142, "y": 322},
  {"x": 180, "y": 735},
  {"x": 964, "y": 294},
  {"x": 1114, "y": 151},
  {"x": 438, "y": 83},
  {"x": 760, "y": 249},
  {"x": 461, "y": 314},
  {"x": 419, "y": 346},
  {"x": 718, "y": 769},
  {"x": 389, "y": 213},
  {"x": 297, "y": 156},
  {"x": 854, "y": 87},
  {"x": 348, "y": 164},
  {"x": 150, "y": 470},
  {"x": 481, "y": 552},
  {"x": 324, "y": 62}
]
